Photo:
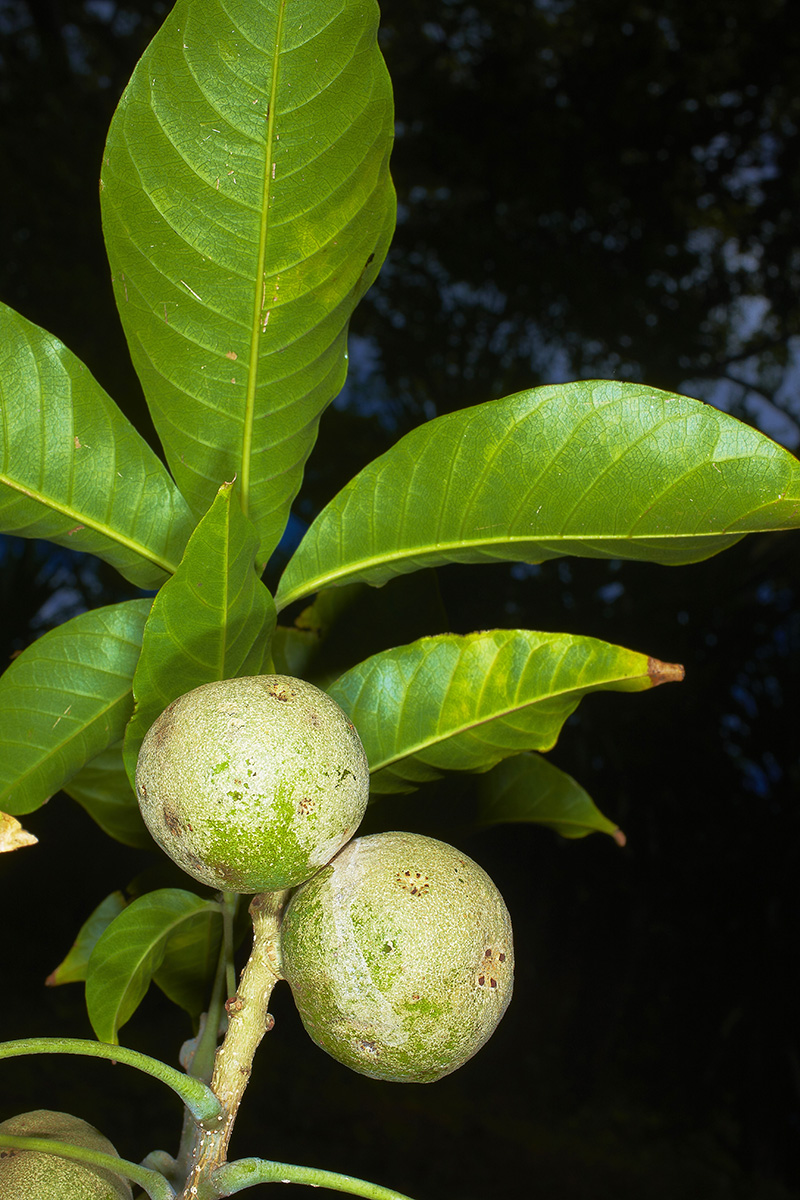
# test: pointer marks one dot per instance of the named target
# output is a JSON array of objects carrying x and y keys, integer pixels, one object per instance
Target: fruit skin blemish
[
  {"x": 252, "y": 784},
  {"x": 400, "y": 957}
]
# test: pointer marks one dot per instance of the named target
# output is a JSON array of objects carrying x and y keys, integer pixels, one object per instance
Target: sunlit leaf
[
  {"x": 453, "y": 703},
  {"x": 212, "y": 620},
  {"x": 102, "y": 788},
  {"x": 74, "y": 967},
  {"x": 134, "y": 948},
  {"x": 72, "y": 467},
  {"x": 247, "y": 207},
  {"x": 596, "y": 469},
  {"x": 65, "y": 699}
]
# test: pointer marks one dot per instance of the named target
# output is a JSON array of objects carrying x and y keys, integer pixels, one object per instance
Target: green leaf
[
  {"x": 247, "y": 207},
  {"x": 65, "y": 699},
  {"x": 190, "y": 962},
  {"x": 102, "y": 788},
  {"x": 74, "y": 966},
  {"x": 596, "y": 469},
  {"x": 72, "y": 467},
  {"x": 212, "y": 620},
  {"x": 528, "y": 788},
  {"x": 134, "y": 948},
  {"x": 453, "y": 703}
]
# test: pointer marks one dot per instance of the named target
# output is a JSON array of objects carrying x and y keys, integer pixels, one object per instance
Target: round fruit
[
  {"x": 252, "y": 784},
  {"x": 34, "y": 1175},
  {"x": 399, "y": 956}
]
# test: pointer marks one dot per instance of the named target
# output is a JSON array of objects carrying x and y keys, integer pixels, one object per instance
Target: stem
[
  {"x": 248, "y": 1021},
  {"x": 197, "y": 1055},
  {"x": 153, "y": 1182},
  {"x": 230, "y": 902},
  {"x": 247, "y": 1172},
  {"x": 196, "y": 1095}
]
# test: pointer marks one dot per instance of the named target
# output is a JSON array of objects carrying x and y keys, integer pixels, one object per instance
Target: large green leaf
[
  {"x": 135, "y": 947},
  {"x": 72, "y": 467},
  {"x": 596, "y": 469},
  {"x": 247, "y": 207},
  {"x": 103, "y": 789},
  {"x": 464, "y": 703},
  {"x": 65, "y": 699},
  {"x": 212, "y": 620}
]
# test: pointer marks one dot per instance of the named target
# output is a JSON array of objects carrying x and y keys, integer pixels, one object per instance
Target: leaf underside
[
  {"x": 72, "y": 467},
  {"x": 528, "y": 788},
  {"x": 103, "y": 790},
  {"x": 464, "y": 703},
  {"x": 65, "y": 699},
  {"x": 596, "y": 469},
  {"x": 247, "y": 207}
]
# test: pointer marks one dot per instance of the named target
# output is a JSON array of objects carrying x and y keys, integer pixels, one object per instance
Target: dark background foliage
[{"x": 603, "y": 188}]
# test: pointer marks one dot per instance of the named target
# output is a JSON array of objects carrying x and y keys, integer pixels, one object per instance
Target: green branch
[
  {"x": 198, "y": 1098},
  {"x": 247, "y": 1172}
]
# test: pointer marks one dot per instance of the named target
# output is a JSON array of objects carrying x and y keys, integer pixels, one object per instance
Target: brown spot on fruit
[
  {"x": 416, "y": 883},
  {"x": 172, "y": 823}
]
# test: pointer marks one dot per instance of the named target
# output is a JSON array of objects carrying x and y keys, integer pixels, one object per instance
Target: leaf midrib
[
  {"x": 87, "y": 522},
  {"x": 455, "y": 731},
  {"x": 340, "y": 576},
  {"x": 260, "y": 300},
  {"x": 42, "y": 760}
]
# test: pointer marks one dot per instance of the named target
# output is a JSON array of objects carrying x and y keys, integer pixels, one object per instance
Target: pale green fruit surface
[
  {"x": 33, "y": 1175},
  {"x": 252, "y": 784},
  {"x": 399, "y": 956}
]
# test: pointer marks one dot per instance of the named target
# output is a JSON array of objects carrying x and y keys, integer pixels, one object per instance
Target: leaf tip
[
  {"x": 619, "y": 837},
  {"x": 661, "y": 672}
]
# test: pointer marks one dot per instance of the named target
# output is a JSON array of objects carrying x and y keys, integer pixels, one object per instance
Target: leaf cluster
[{"x": 247, "y": 208}]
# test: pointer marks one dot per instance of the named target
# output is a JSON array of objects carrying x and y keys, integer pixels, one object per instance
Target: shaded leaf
[
  {"x": 65, "y": 699},
  {"x": 247, "y": 207},
  {"x": 528, "y": 788},
  {"x": 596, "y": 469},
  {"x": 212, "y": 620},
  {"x": 74, "y": 967},
  {"x": 73, "y": 469},
  {"x": 133, "y": 948},
  {"x": 346, "y": 624},
  {"x": 102, "y": 788},
  {"x": 464, "y": 703},
  {"x": 190, "y": 962}
]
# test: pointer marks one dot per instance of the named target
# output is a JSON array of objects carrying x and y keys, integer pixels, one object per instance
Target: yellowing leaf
[{"x": 12, "y": 835}]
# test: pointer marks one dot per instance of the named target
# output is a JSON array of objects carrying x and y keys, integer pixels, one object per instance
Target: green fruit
[
  {"x": 252, "y": 784},
  {"x": 34, "y": 1175},
  {"x": 399, "y": 956}
]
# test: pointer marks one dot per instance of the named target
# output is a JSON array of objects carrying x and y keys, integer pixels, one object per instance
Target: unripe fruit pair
[
  {"x": 397, "y": 948},
  {"x": 35, "y": 1175}
]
